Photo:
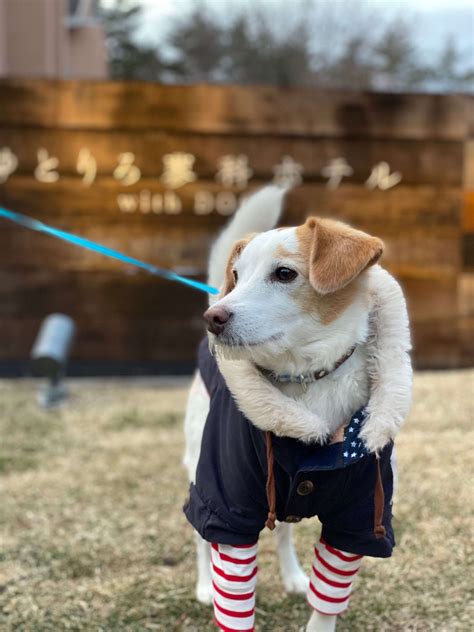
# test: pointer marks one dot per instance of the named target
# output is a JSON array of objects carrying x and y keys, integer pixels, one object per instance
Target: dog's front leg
[
  {"x": 389, "y": 363},
  {"x": 234, "y": 578},
  {"x": 293, "y": 576},
  {"x": 267, "y": 407}
]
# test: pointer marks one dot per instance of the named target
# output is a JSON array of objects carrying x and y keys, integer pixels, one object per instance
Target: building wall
[{"x": 38, "y": 41}]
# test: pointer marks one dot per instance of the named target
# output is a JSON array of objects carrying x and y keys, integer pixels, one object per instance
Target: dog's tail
[{"x": 257, "y": 213}]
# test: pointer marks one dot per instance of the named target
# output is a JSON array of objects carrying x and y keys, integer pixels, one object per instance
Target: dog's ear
[
  {"x": 337, "y": 253},
  {"x": 229, "y": 282}
]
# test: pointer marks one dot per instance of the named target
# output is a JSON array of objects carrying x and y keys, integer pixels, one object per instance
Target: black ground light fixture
[{"x": 49, "y": 357}]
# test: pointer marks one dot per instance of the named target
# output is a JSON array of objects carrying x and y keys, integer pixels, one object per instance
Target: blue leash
[{"x": 34, "y": 224}]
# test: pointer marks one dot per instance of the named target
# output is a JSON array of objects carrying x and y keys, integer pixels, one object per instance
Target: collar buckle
[{"x": 304, "y": 383}]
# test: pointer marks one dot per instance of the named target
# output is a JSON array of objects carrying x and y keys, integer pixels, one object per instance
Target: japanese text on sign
[{"x": 178, "y": 170}]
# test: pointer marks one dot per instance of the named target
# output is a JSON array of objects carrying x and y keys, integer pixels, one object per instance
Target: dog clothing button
[
  {"x": 305, "y": 488},
  {"x": 292, "y": 519}
]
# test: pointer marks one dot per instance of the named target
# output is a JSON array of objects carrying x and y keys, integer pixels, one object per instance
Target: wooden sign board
[{"x": 156, "y": 171}]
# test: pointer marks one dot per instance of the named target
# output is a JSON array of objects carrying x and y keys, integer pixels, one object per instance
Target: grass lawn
[{"x": 92, "y": 536}]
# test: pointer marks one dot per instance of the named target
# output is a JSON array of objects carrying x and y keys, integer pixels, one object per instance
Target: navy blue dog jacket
[{"x": 339, "y": 483}]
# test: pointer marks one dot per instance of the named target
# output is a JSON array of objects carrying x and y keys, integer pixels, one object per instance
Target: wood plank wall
[{"x": 129, "y": 321}]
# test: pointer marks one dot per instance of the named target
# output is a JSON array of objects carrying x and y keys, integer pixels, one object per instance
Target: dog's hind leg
[
  {"x": 204, "y": 591},
  {"x": 293, "y": 577},
  {"x": 330, "y": 585},
  {"x": 322, "y": 622}
]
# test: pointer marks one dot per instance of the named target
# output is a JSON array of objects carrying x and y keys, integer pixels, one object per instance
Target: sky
[
  {"x": 434, "y": 20},
  {"x": 427, "y": 6}
]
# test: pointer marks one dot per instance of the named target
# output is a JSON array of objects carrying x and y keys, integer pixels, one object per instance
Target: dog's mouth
[{"x": 231, "y": 341}]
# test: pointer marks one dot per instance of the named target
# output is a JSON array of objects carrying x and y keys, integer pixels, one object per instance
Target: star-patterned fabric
[{"x": 353, "y": 447}]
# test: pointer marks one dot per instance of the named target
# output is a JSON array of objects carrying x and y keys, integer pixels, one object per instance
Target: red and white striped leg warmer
[
  {"x": 331, "y": 578},
  {"x": 234, "y": 577}
]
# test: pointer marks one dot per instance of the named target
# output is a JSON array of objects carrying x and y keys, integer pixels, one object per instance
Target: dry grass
[{"x": 93, "y": 537}]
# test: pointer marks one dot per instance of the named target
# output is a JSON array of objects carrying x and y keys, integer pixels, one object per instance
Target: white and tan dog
[{"x": 294, "y": 301}]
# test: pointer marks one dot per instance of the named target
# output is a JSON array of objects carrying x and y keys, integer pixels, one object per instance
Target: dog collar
[{"x": 307, "y": 378}]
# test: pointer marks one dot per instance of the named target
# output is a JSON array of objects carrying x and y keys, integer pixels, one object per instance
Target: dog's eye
[
  {"x": 285, "y": 275},
  {"x": 236, "y": 276}
]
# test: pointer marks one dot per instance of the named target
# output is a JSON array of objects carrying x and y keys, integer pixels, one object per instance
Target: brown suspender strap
[
  {"x": 379, "y": 502},
  {"x": 271, "y": 491}
]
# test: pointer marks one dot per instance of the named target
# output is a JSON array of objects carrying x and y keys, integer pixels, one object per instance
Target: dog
[{"x": 308, "y": 342}]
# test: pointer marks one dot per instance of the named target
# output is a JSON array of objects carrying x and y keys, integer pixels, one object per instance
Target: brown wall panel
[{"x": 233, "y": 109}]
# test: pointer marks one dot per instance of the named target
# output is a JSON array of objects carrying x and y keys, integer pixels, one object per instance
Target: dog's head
[{"x": 294, "y": 289}]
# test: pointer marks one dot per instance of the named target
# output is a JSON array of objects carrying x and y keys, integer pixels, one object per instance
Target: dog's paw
[
  {"x": 319, "y": 436},
  {"x": 321, "y": 622},
  {"x": 323, "y": 438},
  {"x": 296, "y": 582},
  {"x": 375, "y": 434},
  {"x": 204, "y": 593}
]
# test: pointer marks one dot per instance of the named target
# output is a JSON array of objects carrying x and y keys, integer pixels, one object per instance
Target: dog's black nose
[{"x": 217, "y": 318}]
